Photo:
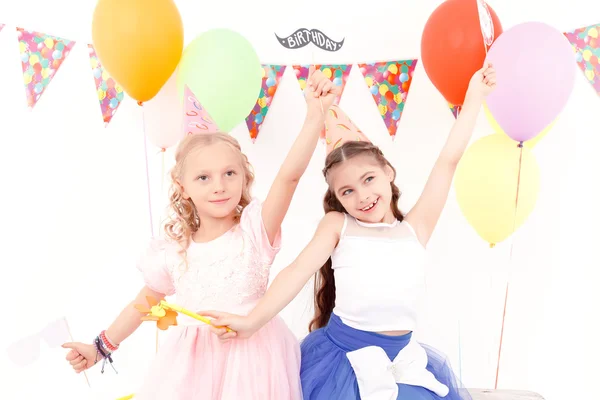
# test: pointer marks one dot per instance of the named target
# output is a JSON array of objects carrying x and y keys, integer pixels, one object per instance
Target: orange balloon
[
  {"x": 452, "y": 47},
  {"x": 138, "y": 42}
]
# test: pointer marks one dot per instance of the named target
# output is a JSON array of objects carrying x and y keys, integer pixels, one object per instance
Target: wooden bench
[{"x": 488, "y": 394}]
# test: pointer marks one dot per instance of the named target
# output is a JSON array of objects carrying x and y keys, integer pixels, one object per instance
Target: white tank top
[{"x": 379, "y": 275}]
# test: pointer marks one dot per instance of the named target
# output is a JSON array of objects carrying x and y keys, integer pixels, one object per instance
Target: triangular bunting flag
[
  {"x": 389, "y": 82},
  {"x": 27, "y": 350},
  {"x": 454, "y": 109},
  {"x": 196, "y": 118},
  {"x": 41, "y": 57},
  {"x": 110, "y": 94},
  {"x": 338, "y": 73},
  {"x": 586, "y": 42},
  {"x": 270, "y": 81}
]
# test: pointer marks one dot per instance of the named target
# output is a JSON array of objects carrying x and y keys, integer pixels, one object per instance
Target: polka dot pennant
[
  {"x": 270, "y": 82},
  {"x": 454, "y": 109},
  {"x": 586, "y": 42},
  {"x": 110, "y": 94},
  {"x": 389, "y": 82},
  {"x": 41, "y": 57}
]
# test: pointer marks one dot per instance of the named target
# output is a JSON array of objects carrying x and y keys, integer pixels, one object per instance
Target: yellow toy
[{"x": 165, "y": 314}]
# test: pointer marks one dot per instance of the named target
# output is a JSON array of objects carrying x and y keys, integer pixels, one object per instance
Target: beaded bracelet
[
  {"x": 106, "y": 354},
  {"x": 108, "y": 343}
]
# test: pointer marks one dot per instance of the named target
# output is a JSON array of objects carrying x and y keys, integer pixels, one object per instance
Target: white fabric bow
[{"x": 377, "y": 376}]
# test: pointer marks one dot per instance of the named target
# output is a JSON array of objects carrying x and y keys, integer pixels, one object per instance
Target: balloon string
[
  {"x": 162, "y": 188},
  {"x": 458, "y": 109},
  {"x": 151, "y": 219},
  {"x": 147, "y": 172},
  {"x": 459, "y": 354},
  {"x": 485, "y": 47},
  {"x": 510, "y": 262},
  {"x": 483, "y": 36},
  {"x": 320, "y": 100},
  {"x": 162, "y": 173}
]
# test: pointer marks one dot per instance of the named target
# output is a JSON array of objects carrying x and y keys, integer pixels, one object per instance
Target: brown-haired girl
[{"x": 370, "y": 260}]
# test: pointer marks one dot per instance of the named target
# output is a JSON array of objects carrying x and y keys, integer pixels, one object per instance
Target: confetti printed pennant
[
  {"x": 389, "y": 82},
  {"x": 585, "y": 42},
  {"x": 110, "y": 94},
  {"x": 41, "y": 57},
  {"x": 270, "y": 82},
  {"x": 337, "y": 73},
  {"x": 454, "y": 109}
]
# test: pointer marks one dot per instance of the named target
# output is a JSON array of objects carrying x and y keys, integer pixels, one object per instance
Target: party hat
[
  {"x": 340, "y": 129},
  {"x": 196, "y": 118}
]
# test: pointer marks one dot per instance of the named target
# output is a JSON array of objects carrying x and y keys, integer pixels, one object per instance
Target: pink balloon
[
  {"x": 163, "y": 116},
  {"x": 535, "y": 68}
]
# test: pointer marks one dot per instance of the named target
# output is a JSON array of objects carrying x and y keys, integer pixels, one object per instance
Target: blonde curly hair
[{"x": 183, "y": 220}]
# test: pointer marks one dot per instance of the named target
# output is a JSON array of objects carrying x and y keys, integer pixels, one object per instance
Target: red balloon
[{"x": 452, "y": 47}]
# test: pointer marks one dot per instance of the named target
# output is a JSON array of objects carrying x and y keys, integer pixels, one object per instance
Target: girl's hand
[
  {"x": 319, "y": 90},
  {"x": 242, "y": 327},
  {"x": 82, "y": 356},
  {"x": 483, "y": 82}
]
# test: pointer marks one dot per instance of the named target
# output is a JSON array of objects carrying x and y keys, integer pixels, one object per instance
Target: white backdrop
[{"x": 74, "y": 204}]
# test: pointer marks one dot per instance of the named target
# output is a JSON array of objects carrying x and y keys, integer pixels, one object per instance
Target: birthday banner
[
  {"x": 41, "y": 57},
  {"x": 270, "y": 82},
  {"x": 389, "y": 82},
  {"x": 110, "y": 94},
  {"x": 585, "y": 43},
  {"x": 303, "y": 37}
]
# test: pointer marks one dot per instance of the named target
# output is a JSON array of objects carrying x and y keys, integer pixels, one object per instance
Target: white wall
[{"x": 74, "y": 202}]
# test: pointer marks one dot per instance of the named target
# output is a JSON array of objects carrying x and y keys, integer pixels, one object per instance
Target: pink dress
[{"x": 227, "y": 274}]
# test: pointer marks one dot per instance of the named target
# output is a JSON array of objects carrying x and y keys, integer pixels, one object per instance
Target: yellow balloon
[
  {"x": 496, "y": 127},
  {"x": 139, "y": 43},
  {"x": 486, "y": 186},
  {"x": 383, "y": 89}
]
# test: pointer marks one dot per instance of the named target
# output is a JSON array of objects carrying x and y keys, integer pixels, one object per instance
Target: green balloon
[{"x": 223, "y": 71}]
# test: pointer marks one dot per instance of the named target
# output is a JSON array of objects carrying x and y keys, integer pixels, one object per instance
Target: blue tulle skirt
[{"x": 326, "y": 372}]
